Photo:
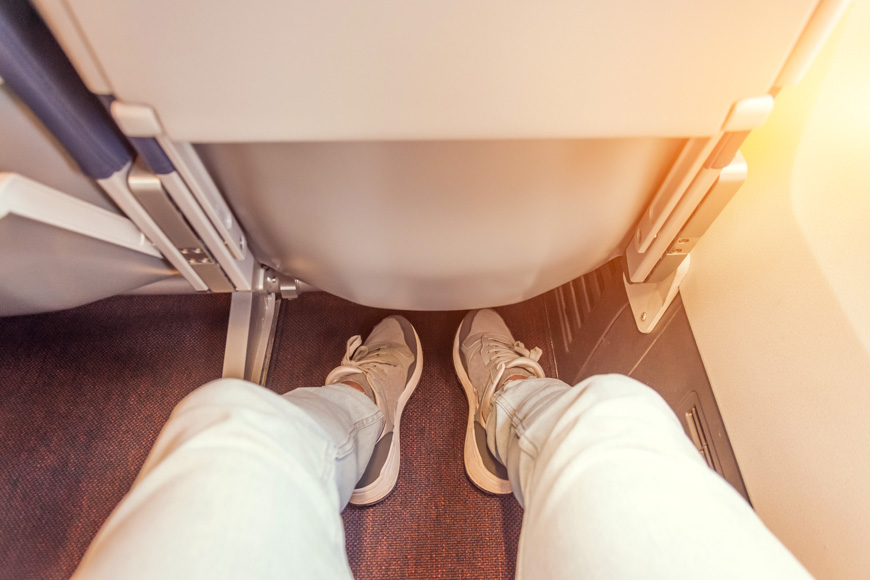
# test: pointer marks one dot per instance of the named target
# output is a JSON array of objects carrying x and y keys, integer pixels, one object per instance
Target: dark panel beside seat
[{"x": 594, "y": 332}]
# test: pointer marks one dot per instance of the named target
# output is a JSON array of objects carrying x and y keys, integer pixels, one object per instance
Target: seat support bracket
[
  {"x": 650, "y": 300},
  {"x": 252, "y": 324}
]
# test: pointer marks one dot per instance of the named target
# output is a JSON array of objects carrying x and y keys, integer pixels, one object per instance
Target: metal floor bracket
[
  {"x": 650, "y": 300},
  {"x": 253, "y": 319},
  {"x": 252, "y": 324}
]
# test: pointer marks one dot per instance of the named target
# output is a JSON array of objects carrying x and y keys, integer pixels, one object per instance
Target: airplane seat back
[{"x": 438, "y": 156}]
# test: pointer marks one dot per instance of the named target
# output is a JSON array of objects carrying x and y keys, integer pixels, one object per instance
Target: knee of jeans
[
  {"x": 222, "y": 392},
  {"x": 624, "y": 388},
  {"x": 616, "y": 386}
]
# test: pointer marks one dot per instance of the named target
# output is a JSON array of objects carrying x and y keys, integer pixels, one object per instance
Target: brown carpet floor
[{"x": 84, "y": 393}]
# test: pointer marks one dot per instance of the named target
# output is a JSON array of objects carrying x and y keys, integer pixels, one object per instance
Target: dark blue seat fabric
[
  {"x": 148, "y": 147},
  {"x": 37, "y": 70},
  {"x": 153, "y": 154}
]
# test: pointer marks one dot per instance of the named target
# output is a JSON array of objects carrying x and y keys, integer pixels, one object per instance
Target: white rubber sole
[
  {"x": 474, "y": 466},
  {"x": 383, "y": 485}
]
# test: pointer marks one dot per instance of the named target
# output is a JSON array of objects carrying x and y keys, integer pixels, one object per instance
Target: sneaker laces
[
  {"x": 370, "y": 362},
  {"x": 505, "y": 355}
]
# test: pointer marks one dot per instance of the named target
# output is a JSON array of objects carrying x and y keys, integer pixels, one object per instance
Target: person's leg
[
  {"x": 245, "y": 483},
  {"x": 242, "y": 483},
  {"x": 613, "y": 488}
]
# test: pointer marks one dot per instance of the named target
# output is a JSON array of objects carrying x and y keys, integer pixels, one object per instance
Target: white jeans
[{"x": 244, "y": 483}]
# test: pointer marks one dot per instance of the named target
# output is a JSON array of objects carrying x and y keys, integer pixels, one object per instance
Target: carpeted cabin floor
[{"x": 84, "y": 393}]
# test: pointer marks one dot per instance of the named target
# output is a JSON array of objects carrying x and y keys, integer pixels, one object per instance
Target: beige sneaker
[
  {"x": 485, "y": 355},
  {"x": 387, "y": 366}
]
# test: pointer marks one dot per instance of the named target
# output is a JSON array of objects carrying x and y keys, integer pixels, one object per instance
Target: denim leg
[
  {"x": 242, "y": 483},
  {"x": 613, "y": 488}
]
